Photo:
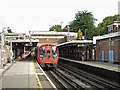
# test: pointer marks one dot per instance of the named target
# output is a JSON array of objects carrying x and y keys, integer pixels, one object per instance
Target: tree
[
  {"x": 84, "y": 20},
  {"x": 102, "y": 27},
  {"x": 56, "y": 28}
]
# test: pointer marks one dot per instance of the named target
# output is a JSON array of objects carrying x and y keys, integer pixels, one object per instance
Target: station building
[
  {"x": 108, "y": 45},
  {"x": 80, "y": 50},
  {"x": 53, "y": 36}
]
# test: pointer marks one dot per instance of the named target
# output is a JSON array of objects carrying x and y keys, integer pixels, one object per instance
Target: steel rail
[{"x": 90, "y": 79}]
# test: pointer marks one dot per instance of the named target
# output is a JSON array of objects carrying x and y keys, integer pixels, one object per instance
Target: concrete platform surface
[
  {"x": 2, "y": 70},
  {"x": 108, "y": 66},
  {"x": 20, "y": 75}
]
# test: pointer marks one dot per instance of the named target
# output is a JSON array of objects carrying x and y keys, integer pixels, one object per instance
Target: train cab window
[
  {"x": 54, "y": 52},
  {"x": 42, "y": 51}
]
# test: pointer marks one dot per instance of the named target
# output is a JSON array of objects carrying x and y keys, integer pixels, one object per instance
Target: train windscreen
[
  {"x": 54, "y": 52},
  {"x": 42, "y": 52}
]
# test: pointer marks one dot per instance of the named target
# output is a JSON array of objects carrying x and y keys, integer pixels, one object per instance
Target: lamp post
[
  {"x": 68, "y": 28},
  {"x": 85, "y": 34},
  {"x": 61, "y": 24},
  {"x": 85, "y": 28}
]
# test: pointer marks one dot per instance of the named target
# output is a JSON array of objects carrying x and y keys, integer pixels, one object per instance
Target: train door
[
  {"x": 103, "y": 55},
  {"x": 48, "y": 52},
  {"x": 111, "y": 56}
]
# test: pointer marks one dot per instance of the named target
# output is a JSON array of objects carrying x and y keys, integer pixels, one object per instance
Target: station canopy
[{"x": 76, "y": 42}]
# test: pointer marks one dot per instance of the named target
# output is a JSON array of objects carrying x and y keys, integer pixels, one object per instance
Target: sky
[{"x": 39, "y": 15}]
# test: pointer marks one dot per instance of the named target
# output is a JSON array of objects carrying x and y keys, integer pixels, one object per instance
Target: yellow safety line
[{"x": 38, "y": 80}]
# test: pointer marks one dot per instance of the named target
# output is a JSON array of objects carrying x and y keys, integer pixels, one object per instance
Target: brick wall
[
  {"x": 51, "y": 40},
  {"x": 106, "y": 45}
]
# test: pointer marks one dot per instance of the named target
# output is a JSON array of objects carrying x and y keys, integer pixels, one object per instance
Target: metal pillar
[
  {"x": 30, "y": 38},
  {"x": 0, "y": 53},
  {"x": 24, "y": 51},
  {"x": 11, "y": 52},
  {"x": 85, "y": 34},
  {"x": 2, "y": 49},
  {"x": 68, "y": 34}
]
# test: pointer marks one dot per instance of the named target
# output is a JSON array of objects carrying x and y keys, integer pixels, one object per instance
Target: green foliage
[
  {"x": 56, "y": 28},
  {"x": 102, "y": 27},
  {"x": 84, "y": 20}
]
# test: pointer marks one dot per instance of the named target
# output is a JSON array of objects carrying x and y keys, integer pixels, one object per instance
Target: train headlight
[
  {"x": 42, "y": 57},
  {"x": 54, "y": 57}
]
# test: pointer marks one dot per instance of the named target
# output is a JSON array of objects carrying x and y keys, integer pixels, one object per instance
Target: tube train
[{"x": 47, "y": 55}]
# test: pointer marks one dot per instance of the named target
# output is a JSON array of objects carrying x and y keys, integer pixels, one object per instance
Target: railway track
[
  {"x": 69, "y": 78},
  {"x": 94, "y": 81},
  {"x": 66, "y": 81},
  {"x": 69, "y": 81},
  {"x": 58, "y": 81},
  {"x": 43, "y": 80}
]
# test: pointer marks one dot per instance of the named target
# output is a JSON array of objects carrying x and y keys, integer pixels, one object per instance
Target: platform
[
  {"x": 108, "y": 66},
  {"x": 21, "y": 75}
]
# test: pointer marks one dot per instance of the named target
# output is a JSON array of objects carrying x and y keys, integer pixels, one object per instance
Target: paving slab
[
  {"x": 20, "y": 75},
  {"x": 0, "y": 83}
]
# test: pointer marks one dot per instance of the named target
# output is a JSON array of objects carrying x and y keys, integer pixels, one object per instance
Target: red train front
[{"x": 47, "y": 55}]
